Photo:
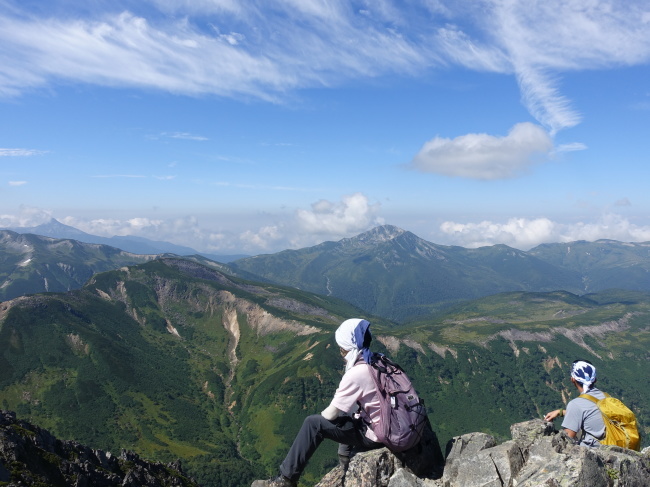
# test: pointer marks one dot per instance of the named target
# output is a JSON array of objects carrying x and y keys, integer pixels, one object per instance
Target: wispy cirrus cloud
[
  {"x": 20, "y": 152},
  {"x": 264, "y": 49},
  {"x": 571, "y": 147},
  {"x": 539, "y": 41},
  {"x": 536, "y": 43},
  {"x": 127, "y": 176},
  {"x": 267, "y": 50},
  {"x": 184, "y": 136},
  {"x": 260, "y": 187}
]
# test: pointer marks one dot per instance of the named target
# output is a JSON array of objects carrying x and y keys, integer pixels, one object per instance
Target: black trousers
[{"x": 347, "y": 431}]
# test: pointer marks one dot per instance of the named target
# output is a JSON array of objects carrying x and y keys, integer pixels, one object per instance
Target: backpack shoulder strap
[{"x": 590, "y": 397}]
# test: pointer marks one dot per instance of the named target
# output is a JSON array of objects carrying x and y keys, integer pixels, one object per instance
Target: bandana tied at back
[
  {"x": 585, "y": 373},
  {"x": 354, "y": 336}
]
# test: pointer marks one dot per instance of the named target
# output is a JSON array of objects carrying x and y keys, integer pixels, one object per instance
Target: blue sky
[{"x": 255, "y": 126}]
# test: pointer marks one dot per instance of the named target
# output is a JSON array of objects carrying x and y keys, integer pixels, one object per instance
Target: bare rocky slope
[
  {"x": 33, "y": 264},
  {"x": 537, "y": 455}
]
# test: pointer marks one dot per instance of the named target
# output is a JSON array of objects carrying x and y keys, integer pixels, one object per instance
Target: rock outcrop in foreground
[
  {"x": 536, "y": 456},
  {"x": 30, "y": 455}
]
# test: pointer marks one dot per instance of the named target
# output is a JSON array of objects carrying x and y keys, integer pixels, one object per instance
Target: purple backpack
[{"x": 402, "y": 412}]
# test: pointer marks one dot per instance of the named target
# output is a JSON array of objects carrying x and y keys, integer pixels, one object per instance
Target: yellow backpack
[{"x": 620, "y": 422}]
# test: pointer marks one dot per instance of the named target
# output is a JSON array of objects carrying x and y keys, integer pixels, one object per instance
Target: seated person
[
  {"x": 583, "y": 420},
  {"x": 357, "y": 387}
]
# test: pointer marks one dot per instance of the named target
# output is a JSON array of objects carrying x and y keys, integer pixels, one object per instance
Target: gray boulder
[
  {"x": 463, "y": 449},
  {"x": 537, "y": 455}
]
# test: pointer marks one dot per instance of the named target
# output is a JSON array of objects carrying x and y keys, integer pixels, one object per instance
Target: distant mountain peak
[
  {"x": 54, "y": 229},
  {"x": 55, "y": 225},
  {"x": 379, "y": 234},
  {"x": 133, "y": 244}
]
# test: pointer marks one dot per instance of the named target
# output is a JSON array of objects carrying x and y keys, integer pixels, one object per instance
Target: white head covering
[
  {"x": 585, "y": 373},
  {"x": 350, "y": 336}
]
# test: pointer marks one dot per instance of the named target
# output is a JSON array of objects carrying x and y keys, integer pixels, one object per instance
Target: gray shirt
[{"x": 582, "y": 415}]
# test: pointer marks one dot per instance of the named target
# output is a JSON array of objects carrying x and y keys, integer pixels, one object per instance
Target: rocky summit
[
  {"x": 537, "y": 455},
  {"x": 30, "y": 455}
]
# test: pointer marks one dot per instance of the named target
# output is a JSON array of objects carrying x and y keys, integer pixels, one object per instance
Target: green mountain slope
[
  {"x": 390, "y": 272},
  {"x": 32, "y": 264},
  {"x": 508, "y": 356},
  {"x": 602, "y": 264},
  {"x": 387, "y": 271},
  {"x": 175, "y": 359}
]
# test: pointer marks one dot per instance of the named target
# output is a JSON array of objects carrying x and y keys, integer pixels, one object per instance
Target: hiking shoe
[
  {"x": 344, "y": 462},
  {"x": 279, "y": 481}
]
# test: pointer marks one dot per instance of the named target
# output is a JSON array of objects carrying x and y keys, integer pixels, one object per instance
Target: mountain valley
[
  {"x": 176, "y": 359},
  {"x": 218, "y": 363}
]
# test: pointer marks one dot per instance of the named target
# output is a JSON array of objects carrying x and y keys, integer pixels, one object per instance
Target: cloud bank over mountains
[{"x": 327, "y": 220}]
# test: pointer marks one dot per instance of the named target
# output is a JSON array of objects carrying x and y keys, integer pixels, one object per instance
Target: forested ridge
[{"x": 172, "y": 359}]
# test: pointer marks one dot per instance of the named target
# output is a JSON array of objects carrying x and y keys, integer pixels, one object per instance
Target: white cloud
[
  {"x": 17, "y": 183},
  {"x": 351, "y": 215},
  {"x": 324, "y": 221},
  {"x": 461, "y": 49},
  {"x": 28, "y": 216},
  {"x": 538, "y": 41},
  {"x": 543, "y": 100},
  {"x": 482, "y": 156},
  {"x": 200, "y": 6},
  {"x": 20, "y": 152},
  {"x": 127, "y": 176},
  {"x": 573, "y": 146},
  {"x": 233, "y": 38},
  {"x": 516, "y": 232},
  {"x": 264, "y": 239},
  {"x": 525, "y": 233},
  {"x": 153, "y": 228},
  {"x": 266, "y": 49},
  {"x": 185, "y": 136},
  {"x": 126, "y": 50},
  {"x": 332, "y": 221},
  {"x": 283, "y": 48}
]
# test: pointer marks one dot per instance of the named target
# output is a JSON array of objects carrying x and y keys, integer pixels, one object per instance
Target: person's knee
[
  {"x": 316, "y": 424},
  {"x": 313, "y": 420}
]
